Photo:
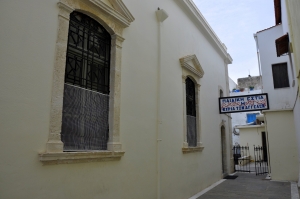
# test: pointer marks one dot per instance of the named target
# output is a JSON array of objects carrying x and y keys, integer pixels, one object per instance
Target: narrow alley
[{"x": 250, "y": 186}]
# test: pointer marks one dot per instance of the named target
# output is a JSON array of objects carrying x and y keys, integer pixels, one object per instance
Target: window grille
[
  {"x": 280, "y": 75},
  {"x": 86, "y": 91},
  {"x": 88, "y": 54},
  {"x": 191, "y": 113}
]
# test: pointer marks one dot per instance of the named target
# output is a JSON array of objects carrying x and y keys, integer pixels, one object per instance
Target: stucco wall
[
  {"x": 282, "y": 145},
  {"x": 294, "y": 30},
  {"x": 251, "y": 136},
  {"x": 27, "y": 53},
  {"x": 292, "y": 7},
  {"x": 297, "y": 128},
  {"x": 232, "y": 84},
  {"x": 281, "y": 98}
]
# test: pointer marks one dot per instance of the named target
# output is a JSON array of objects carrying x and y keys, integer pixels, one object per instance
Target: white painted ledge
[
  {"x": 250, "y": 126},
  {"x": 192, "y": 149},
  {"x": 77, "y": 157}
]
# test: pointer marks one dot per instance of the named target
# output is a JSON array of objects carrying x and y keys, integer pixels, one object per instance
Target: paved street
[{"x": 249, "y": 186}]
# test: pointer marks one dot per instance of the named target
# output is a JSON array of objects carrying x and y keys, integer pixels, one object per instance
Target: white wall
[
  {"x": 282, "y": 145},
  {"x": 284, "y": 18},
  {"x": 281, "y": 155},
  {"x": 251, "y": 136},
  {"x": 294, "y": 34},
  {"x": 241, "y": 117},
  {"x": 232, "y": 84},
  {"x": 296, "y": 112},
  {"x": 281, "y": 98},
  {"x": 27, "y": 49}
]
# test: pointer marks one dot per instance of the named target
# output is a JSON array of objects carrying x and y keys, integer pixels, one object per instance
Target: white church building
[{"x": 114, "y": 99}]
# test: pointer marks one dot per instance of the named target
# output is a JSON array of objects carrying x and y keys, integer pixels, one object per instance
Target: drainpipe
[
  {"x": 258, "y": 59},
  {"x": 161, "y": 16}
]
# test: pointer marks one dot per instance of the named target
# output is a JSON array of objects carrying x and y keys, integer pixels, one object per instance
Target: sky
[{"x": 235, "y": 22}]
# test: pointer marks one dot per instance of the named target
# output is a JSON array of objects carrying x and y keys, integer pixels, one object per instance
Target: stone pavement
[{"x": 249, "y": 186}]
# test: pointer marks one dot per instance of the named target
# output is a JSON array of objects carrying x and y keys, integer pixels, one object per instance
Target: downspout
[
  {"x": 258, "y": 60},
  {"x": 161, "y": 16}
]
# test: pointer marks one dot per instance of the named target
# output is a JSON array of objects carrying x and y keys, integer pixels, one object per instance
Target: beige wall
[
  {"x": 251, "y": 136},
  {"x": 27, "y": 53},
  {"x": 293, "y": 7},
  {"x": 282, "y": 145}
]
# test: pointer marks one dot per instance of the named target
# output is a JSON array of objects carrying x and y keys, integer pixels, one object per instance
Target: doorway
[
  {"x": 223, "y": 148},
  {"x": 264, "y": 146}
]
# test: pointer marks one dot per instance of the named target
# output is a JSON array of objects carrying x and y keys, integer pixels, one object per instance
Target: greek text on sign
[{"x": 244, "y": 103}]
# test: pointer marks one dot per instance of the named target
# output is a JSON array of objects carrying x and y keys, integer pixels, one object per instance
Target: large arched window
[
  {"x": 191, "y": 113},
  {"x": 86, "y": 90}
]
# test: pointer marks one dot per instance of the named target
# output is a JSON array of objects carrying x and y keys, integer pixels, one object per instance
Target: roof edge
[{"x": 268, "y": 28}]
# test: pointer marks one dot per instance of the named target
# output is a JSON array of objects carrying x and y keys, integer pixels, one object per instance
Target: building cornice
[{"x": 204, "y": 25}]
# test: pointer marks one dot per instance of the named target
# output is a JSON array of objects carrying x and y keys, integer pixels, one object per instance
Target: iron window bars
[
  {"x": 86, "y": 90},
  {"x": 191, "y": 113},
  {"x": 88, "y": 54}
]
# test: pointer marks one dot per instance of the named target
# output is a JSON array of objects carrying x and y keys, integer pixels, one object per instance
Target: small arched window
[
  {"x": 191, "y": 112},
  {"x": 221, "y": 93},
  {"x": 86, "y": 90}
]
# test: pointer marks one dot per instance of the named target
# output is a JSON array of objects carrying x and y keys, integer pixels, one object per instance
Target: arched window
[
  {"x": 191, "y": 113},
  {"x": 221, "y": 93},
  {"x": 86, "y": 90}
]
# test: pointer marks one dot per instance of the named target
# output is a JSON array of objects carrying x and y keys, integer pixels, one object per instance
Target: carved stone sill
[
  {"x": 192, "y": 149},
  {"x": 77, "y": 157}
]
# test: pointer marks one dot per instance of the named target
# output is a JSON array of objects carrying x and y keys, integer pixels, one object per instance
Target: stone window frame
[
  {"x": 114, "y": 19},
  {"x": 191, "y": 68}
]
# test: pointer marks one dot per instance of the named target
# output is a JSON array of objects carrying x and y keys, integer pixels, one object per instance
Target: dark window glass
[
  {"x": 221, "y": 93},
  {"x": 88, "y": 54},
  {"x": 86, "y": 90},
  {"x": 191, "y": 113},
  {"x": 280, "y": 75},
  {"x": 190, "y": 97}
]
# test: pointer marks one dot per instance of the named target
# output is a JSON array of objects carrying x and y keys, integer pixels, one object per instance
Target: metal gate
[
  {"x": 260, "y": 159},
  {"x": 243, "y": 162},
  {"x": 241, "y": 156}
]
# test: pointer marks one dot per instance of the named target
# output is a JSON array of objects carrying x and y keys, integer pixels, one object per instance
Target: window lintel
[
  {"x": 120, "y": 11},
  {"x": 191, "y": 63}
]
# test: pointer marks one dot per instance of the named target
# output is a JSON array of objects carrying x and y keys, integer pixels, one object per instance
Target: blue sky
[{"x": 235, "y": 21}]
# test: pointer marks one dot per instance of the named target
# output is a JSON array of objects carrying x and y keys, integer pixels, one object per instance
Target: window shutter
[
  {"x": 282, "y": 45},
  {"x": 277, "y": 6},
  {"x": 280, "y": 75}
]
